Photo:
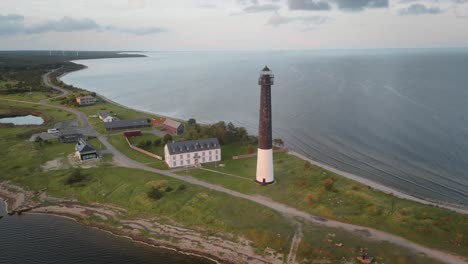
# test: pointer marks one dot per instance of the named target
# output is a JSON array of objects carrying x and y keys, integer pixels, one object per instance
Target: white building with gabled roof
[{"x": 192, "y": 152}]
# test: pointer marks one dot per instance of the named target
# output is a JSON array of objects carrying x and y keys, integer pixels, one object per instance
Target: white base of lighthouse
[{"x": 265, "y": 166}]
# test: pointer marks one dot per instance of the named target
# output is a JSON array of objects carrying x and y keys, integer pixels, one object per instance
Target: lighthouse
[{"x": 265, "y": 145}]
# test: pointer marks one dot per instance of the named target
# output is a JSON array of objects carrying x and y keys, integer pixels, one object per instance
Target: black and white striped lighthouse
[{"x": 265, "y": 144}]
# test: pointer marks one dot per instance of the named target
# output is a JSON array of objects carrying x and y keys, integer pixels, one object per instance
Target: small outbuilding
[
  {"x": 173, "y": 127},
  {"x": 84, "y": 151}
]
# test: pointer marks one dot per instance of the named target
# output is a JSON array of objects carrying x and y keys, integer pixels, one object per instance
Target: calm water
[
  {"x": 32, "y": 239},
  {"x": 398, "y": 117},
  {"x": 23, "y": 120}
]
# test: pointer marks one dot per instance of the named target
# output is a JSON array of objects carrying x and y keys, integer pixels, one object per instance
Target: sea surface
[
  {"x": 398, "y": 117},
  {"x": 46, "y": 239}
]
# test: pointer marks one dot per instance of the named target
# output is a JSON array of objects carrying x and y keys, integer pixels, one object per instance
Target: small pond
[{"x": 23, "y": 120}]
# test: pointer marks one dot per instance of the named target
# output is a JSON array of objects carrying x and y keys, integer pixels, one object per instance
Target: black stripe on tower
[{"x": 264, "y": 131}]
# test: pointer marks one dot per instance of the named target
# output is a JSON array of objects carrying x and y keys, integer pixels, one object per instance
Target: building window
[
  {"x": 203, "y": 153},
  {"x": 209, "y": 152},
  {"x": 210, "y": 158},
  {"x": 174, "y": 164},
  {"x": 216, "y": 151},
  {"x": 181, "y": 162},
  {"x": 181, "y": 156},
  {"x": 216, "y": 157},
  {"x": 188, "y": 155},
  {"x": 203, "y": 159}
]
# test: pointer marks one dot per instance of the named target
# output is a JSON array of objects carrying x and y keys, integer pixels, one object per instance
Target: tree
[
  {"x": 278, "y": 142},
  {"x": 192, "y": 122},
  {"x": 167, "y": 138},
  {"x": 307, "y": 165}
]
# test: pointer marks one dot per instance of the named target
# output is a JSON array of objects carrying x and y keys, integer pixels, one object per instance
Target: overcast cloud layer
[{"x": 232, "y": 24}]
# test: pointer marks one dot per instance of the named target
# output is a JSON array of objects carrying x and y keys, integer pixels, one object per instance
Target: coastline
[
  {"x": 380, "y": 187},
  {"x": 459, "y": 208},
  {"x": 165, "y": 236},
  {"x": 115, "y": 234}
]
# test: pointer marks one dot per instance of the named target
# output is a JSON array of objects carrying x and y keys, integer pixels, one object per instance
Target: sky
[{"x": 147, "y": 25}]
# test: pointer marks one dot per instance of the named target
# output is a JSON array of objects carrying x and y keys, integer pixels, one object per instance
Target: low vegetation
[{"x": 321, "y": 192}]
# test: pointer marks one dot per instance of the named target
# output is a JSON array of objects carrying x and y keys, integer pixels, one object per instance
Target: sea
[
  {"x": 398, "y": 117},
  {"x": 46, "y": 239}
]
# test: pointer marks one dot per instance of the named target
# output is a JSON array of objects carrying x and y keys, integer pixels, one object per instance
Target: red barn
[{"x": 173, "y": 127}]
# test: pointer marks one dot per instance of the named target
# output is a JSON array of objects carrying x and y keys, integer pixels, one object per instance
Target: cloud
[
  {"x": 308, "y": 21},
  {"x": 347, "y": 5},
  {"x": 14, "y": 24},
  {"x": 136, "y": 31},
  {"x": 11, "y": 24},
  {"x": 308, "y": 5},
  {"x": 261, "y": 8},
  {"x": 355, "y": 5},
  {"x": 419, "y": 9},
  {"x": 66, "y": 24}
]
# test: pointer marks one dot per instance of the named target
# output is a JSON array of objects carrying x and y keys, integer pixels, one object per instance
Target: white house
[
  {"x": 105, "y": 117},
  {"x": 84, "y": 151},
  {"x": 192, "y": 152}
]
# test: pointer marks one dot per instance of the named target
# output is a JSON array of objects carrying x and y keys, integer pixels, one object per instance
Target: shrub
[
  {"x": 155, "y": 193},
  {"x": 157, "y": 142},
  {"x": 181, "y": 187},
  {"x": 458, "y": 239},
  {"x": 250, "y": 149},
  {"x": 168, "y": 189},
  {"x": 307, "y": 165},
  {"x": 75, "y": 177},
  {"x": 328, "y": 184},
  {"x": 141, "y": 144}
]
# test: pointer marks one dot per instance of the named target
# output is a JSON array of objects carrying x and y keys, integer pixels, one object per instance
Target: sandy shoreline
[{"x": 226, "y": 248}]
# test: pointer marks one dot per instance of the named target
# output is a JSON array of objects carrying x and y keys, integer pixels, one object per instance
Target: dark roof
[
  {"x": 127, "y": 123},
  {"x": 84, "y": 147},
  {"x": 64, "y": 134},
  {"x": 181, "y": 147},
  {"x": 266, "y": 68},
  {"x": 103, "y": 115}
]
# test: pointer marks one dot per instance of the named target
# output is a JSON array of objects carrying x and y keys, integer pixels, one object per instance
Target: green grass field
[
  {"x": 158, "y": 150},
  {"x": 118, "y": 141},
  {"x": 346, "y": 200}
]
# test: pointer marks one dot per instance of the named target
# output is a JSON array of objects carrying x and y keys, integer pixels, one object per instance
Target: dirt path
[
  {"x": 295, "y": 242},
  {"x": 370, "y": 233}
]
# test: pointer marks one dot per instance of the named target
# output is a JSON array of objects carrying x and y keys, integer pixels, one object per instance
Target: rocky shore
[{"x": 220, "y": 248}]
